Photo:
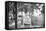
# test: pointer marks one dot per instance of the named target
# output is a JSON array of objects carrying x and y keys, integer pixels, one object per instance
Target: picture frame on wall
[{"x": 24, "y": 15}]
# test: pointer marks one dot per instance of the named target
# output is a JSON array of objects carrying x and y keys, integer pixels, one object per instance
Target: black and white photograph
[{"x": 24, "y": 15}]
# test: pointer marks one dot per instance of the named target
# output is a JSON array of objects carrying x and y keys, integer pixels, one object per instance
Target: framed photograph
[{"x": 24, "y": 15}]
